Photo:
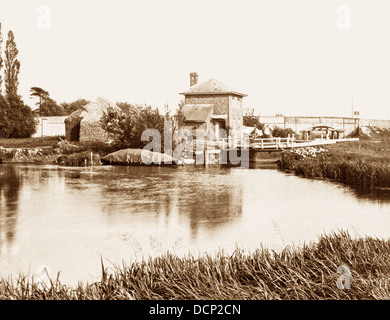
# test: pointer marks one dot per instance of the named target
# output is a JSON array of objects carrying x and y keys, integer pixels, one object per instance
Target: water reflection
[
  {"x": 68, "y": 218},
  {"x": 377, "y": 196},
  {"x": 205, "y": 197},
  {"x": 9, "y": 195}
]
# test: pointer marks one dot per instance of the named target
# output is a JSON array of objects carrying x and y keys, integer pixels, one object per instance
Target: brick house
[{"x": 212, "y": 106}]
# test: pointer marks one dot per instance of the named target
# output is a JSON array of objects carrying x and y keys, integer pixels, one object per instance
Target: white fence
[{"x": 259, "y": 143}]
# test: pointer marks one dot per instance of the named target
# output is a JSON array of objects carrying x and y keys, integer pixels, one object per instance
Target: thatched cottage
[
  {"x": 85, "y": 125},
  {"x": 212, "y": 106}
]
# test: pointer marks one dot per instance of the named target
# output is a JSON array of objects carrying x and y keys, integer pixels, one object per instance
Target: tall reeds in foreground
[{"x": 309, "y": 272}]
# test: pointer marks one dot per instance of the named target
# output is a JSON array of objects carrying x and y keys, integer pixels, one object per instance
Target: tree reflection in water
[
  {"x": 206, "y": 197},
  {"x": 9, "y": 195}
]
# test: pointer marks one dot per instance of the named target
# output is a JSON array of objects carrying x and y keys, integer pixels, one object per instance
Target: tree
[
  {"x": 4, "y": 123},
  {"x": 1, "y": 58},
  {"x": 282, "y": 133},
  {"x": 251, "y": 120},
  {"x": 4, "y": 127},
  {"x": 49, "y": 107},
  {"x": 16, "y": 118},
  {"x": 12, "y": 67},
  {"x": 40, "y": 93},
  {"x": 179, "y": 117},
  {"x": 127, "y": 125},
  {"x": 73, "y": 106},
  {"x": 46, "y": 105},
  {"x": 20, "y": 118}
]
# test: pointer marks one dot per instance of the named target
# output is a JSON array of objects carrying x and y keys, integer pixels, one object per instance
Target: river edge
[
  {"x": 252, "y": 282},
  {"x": 63, "y": 153},
  {"x": 365, "y": 169},
  {"x": 363, "y": 166},
  {"x": 335, "y": 267}
]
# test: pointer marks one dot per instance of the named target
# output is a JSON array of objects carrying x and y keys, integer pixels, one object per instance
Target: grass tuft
[{"x": 308, "y": 272}]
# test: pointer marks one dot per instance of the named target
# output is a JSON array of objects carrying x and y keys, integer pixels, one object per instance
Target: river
[{"x": 71, "y": 218}]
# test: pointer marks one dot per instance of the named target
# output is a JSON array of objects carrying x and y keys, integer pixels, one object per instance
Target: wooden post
[{"x": 205, "y": 153}]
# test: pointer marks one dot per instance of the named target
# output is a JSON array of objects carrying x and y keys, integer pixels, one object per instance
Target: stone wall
[{"x": 92, "y": 131}]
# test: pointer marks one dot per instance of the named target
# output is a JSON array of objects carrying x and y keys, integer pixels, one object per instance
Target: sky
[{"x": 297, "y": 58}]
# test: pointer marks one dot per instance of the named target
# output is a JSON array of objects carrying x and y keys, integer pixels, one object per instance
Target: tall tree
[
  {"x": 1, "y": 58},
  {"x": 46, "y": 106},
  {"x": 5, "y": 127},
  {"x": 40, "y": 93},
  {"x": 12, "y": 67},
  {"x": 16, "y": 118}
]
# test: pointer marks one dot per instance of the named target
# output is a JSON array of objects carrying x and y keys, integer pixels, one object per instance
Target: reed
[
  {"x": 307, "y": 272},
  {"x": 79, "y": 159},
  {"x": 366, "y": 169}
]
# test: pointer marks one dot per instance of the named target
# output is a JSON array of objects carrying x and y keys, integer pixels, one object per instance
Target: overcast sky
[{"x": 292, "y": 57}]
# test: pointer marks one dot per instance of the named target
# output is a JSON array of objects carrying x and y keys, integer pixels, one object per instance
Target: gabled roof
[
  {"x": 197, "y": 112},
  {"x": 212, "y": 86}
]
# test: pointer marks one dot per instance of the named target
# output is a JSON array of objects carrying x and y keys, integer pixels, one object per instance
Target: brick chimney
[{"x": 193, "y": 78}]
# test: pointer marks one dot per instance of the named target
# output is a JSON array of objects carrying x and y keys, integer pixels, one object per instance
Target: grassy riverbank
[
  {"x": 309, "y": 272},
  {"x": 363, "y": 165},
  {"x": 51, "y": 150}
]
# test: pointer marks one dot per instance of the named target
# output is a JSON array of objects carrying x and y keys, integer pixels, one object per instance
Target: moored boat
[{"x": 132, "y": 156}]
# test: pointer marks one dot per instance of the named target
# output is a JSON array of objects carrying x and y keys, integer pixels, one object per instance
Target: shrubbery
[
  {"x": 16, "y": 119},
  {"x": 283, "y": 133},
  {"x": 127, "y": 125}
]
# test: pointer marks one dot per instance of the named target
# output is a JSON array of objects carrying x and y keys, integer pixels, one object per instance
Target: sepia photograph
[{"x": 175, "y": 150}]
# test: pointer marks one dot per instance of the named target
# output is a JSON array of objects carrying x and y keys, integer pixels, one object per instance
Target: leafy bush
[
  {"x": 282, "y": 133},
  {"x": 127, "y": 126},
  {"x": 6, "y": 155},
  {"x": 16, "y": 119}
]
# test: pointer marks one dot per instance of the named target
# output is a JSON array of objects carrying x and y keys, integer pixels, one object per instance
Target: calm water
[{"x": 68, "y": 218}]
